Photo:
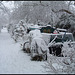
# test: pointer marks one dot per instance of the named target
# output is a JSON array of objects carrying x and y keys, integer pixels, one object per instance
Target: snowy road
[{"x": 14, "y": 61}]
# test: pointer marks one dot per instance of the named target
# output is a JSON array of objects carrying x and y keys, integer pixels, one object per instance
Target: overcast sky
[{"x": 9, "y": 4}]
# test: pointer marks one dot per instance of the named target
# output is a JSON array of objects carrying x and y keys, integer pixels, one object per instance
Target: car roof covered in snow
[
  {"x": 61, "y": 29},
  {"x": 61, "y": 33}
]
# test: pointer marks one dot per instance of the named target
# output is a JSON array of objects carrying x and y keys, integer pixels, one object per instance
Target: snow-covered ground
[{"x": 14, "y": 61}]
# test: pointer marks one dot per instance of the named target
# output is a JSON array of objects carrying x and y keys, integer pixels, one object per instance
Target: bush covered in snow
[
  {"x": 17, "y": 31},
  {"x": 67, "y": 21},
  {"x": 64, "y": 64}
]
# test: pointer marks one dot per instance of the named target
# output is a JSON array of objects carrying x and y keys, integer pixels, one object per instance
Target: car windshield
[{"x": 61, "y": 38}]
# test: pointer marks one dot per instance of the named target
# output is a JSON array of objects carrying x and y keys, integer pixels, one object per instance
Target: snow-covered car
[
  {"x": 51, "y": 32},
  {"x": 46, "y": 38},
  {"x": 55, "y": 41},
  {"x": 37, "y": 46}
]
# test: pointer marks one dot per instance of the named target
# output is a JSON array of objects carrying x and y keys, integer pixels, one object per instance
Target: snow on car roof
[
  {"x": 61, "y": 29},
  {"x": 45, "y": 26},
  {"x": 34, "y": 27},
  {"x": 61, "y": 33},
  {"x": 35, "y": 33}
]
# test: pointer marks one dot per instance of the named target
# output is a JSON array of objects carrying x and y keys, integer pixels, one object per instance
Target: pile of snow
[{"x": 4, "y": 30}]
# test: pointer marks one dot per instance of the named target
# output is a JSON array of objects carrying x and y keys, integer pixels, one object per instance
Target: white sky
[{"x": 9, "y": 4}]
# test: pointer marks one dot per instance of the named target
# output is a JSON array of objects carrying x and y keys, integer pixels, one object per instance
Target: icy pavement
[{"x": 14, "y": 61}]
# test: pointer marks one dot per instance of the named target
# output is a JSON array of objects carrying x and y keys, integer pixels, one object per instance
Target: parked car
[{"x": 43, "y": 39}]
